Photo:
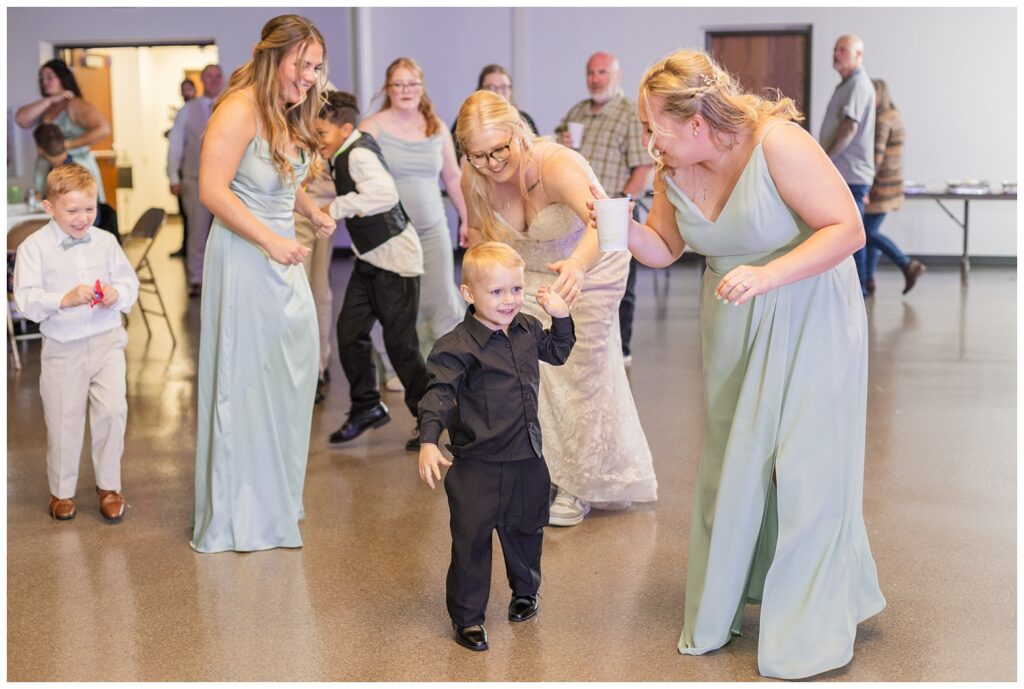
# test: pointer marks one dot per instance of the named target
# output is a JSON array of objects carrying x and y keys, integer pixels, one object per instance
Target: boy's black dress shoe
[
  {"x": 374, "y": 417},
  {"x": 413, "y": 443},
  {"x": 474, "y": 638},
  {"x": 522, "y": 608}
]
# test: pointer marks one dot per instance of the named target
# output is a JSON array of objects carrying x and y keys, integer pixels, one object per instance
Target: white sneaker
[
  {"x": 611, "y": 506},
  {"x": 567, "y": 510},
  {"x": 628, "y": 360},
  {"x": 394, "y": 385}
]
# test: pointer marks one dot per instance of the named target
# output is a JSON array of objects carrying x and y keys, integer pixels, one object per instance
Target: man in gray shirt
[
  {"x": 183, "y": 146},
  {"x": 848, "y": 130}
]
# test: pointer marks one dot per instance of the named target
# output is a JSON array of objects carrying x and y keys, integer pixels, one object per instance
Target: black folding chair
[{"x": 144, "y": 233}]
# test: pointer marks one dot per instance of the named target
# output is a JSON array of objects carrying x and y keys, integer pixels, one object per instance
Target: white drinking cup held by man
[{"x": 575, "y": 134}]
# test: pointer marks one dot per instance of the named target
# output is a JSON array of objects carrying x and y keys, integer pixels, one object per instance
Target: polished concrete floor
[{"x": 364, "y": 598}]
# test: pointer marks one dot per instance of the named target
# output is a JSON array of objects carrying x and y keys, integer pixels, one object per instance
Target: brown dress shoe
[
  {"x": 62, "y": 508},
  {"x": 111, "y": 504},
  {"x": 911, "y": 273}
]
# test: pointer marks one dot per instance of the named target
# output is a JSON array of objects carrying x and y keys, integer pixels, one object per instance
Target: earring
[{"x": 695, "y": 130}]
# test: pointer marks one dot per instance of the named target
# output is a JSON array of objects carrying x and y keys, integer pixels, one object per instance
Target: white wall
[
  {"x": 960, "y": 110},
  {"x": 145, "y": 97}
]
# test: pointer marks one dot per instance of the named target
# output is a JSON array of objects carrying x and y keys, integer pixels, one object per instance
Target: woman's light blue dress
[
  {"x": 785, "y": 386},
  {"x": 81, "y": 155},
  {"x": 416, "y": 166},
  {"x": 258, "y": 361}
]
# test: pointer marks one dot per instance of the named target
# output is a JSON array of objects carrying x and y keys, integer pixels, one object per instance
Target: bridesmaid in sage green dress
[
  {"x": 777, "y": 517},
  {"x": 258, "y": 348}
]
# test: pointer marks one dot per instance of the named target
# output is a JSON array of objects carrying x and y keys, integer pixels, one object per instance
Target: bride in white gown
[{"x": 531, "y": 194}]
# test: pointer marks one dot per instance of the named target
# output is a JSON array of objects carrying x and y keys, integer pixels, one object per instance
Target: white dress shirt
[
  {"x": 44, "y": 272},
  {"x": 375, "y": 193}
]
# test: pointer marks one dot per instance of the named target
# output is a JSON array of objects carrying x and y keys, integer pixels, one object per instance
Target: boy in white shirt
[
  {"x": 82, "y": 364},
  {"x": 385, "y": 283}
]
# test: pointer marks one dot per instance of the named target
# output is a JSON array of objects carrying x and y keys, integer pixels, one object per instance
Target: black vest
[{"x": 367, "y": 232}]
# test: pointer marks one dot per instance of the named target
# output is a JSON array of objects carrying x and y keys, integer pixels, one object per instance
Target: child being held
[
  {"x": 484, "y": 377},
  {"x": 56, "y": 274}
]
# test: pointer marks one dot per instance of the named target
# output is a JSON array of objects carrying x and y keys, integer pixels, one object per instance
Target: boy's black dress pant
[
  {"x": 511, "y": 497},
  {"x": 374, "y": 294}
]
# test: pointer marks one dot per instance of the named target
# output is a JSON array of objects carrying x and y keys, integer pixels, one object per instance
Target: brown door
[
  {"x": 764, "y": 59},
  {"x": 92, "y": 72}
]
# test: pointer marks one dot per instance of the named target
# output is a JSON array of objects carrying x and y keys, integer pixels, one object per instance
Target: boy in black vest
[{"x": 385, "y": 283}]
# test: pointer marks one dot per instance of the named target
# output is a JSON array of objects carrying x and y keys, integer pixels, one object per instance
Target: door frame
[{"x": 805, "y": 30}]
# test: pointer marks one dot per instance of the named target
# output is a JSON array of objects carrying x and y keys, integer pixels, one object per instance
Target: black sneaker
[{"x": 413, "y": 443}]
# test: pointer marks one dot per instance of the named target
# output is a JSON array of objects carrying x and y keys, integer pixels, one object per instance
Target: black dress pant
[
  {"x": 511, "y": 497},
  {"x": 374, "y": 294},
  {"x": 628, "y": 304}
]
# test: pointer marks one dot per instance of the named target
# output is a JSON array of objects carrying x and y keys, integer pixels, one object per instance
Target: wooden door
[
  {"x": 765, "y": 59},
  {"x": 92, "y": 72}
]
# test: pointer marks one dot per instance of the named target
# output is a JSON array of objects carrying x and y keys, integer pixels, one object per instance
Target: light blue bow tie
[{"x": 71, "y": 241}]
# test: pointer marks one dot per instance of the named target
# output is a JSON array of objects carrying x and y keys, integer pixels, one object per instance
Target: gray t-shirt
[{"x": 854, "y": 98}]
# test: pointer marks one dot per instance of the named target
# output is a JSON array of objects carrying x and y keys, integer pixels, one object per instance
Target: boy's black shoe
[
  {"x": 413, "y": 443},
  {"x": 474, "y": 638},
  {"x": 374, "y": 417},
  {"x": 522, "y": 608}
]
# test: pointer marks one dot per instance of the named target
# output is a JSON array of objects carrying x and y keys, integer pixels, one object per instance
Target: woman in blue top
[
  {"x": 258, "y": 347},
  {"x": 418, "y": 149},
  {"x": 78, "y": 120},
  {"x": 777, "y": 517}
]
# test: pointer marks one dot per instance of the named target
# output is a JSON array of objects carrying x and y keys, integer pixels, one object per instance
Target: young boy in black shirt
[{"x": 483, "y": 382}]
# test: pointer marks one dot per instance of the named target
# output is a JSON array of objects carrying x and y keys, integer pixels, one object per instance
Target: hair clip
[{"x": 707, "y": 80}]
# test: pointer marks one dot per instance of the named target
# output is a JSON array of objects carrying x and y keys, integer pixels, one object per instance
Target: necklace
[{"x": 703, "y": 189}]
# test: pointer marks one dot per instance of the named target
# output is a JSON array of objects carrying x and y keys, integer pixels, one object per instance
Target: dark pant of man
[
  {"x": 859, "y": 191},
  {"x": 511, "y": 497},
  {"x": 184, "y": 223},
  {"x": 374, "y": 294},
  {"x": 628, "y": 304}
]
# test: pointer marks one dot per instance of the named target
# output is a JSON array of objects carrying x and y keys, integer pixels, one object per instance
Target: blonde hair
[
  {"x": 426, "y": 106},
  {"x": 294, "y": 122},
  {"x": 486, "y": 255},
  {"x": 64, "y": 179},
  {"x": 689, "y": 83},
  {"x": 481, "y": 110}
]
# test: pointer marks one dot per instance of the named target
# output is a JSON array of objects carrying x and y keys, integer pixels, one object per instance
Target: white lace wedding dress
[{"x": 593, "y": 442}]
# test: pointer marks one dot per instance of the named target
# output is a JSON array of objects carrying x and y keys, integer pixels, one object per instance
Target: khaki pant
[
  {"x": 318, "y": 268},
  {"x": 75, "y": 375}
]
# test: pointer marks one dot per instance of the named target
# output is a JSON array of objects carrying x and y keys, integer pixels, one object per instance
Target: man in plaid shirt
[{"x": 613, "y": 146}]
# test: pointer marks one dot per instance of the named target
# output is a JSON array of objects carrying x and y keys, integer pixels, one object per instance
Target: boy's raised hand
[
  {"x": 552, "y": 302},
  {"x": 76, "y": 296},
  {"x": 431, "y": 460}
]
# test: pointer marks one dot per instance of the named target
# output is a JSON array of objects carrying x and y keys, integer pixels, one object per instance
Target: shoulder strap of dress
[{"x": 772, "y": 126}]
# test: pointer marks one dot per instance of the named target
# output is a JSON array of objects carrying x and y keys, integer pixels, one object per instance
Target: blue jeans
[
  {"x": 879, "y": 243},
  {"x": 859, "y": 191}
]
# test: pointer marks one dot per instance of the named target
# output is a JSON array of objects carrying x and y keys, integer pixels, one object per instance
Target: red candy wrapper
[{"x": 97, "y": 294}]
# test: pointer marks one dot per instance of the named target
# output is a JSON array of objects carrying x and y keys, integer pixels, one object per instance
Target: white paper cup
[
  {"x": 613, "y": 223},
  {"x": 575, "y": 134}
]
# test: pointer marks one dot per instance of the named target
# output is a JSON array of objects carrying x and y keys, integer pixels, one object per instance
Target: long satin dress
[
  {"x": 594, "y": 444},
  {"x": 416, "y": 166},
  {"x": 258, "y": 361},
  {"x": 785, "y": 387}
]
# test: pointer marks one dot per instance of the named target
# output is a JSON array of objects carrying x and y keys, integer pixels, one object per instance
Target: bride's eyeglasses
[{"x": 501, "y": 154}]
